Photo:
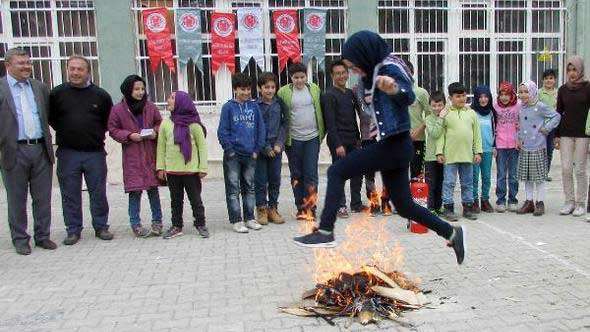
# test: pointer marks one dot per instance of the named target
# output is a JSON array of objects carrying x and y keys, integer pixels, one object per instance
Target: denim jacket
[
  {"x": 275, "y": 121},
  {"x": 391, "y": 111}
]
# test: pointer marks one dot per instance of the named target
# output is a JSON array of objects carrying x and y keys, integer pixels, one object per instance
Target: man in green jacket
[
  {"x": 306, "y": 132},
  {"x": 419, "y": 110}
]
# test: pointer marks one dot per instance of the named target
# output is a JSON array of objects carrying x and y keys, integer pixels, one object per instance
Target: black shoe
[
  {"x": 449, "y": 213},
  {"x": 46, "y": 244},
  {"x": 104, "y": 234},
  {"x": 172, "y": 232},
  {"x": 360, "y": 209},
  {"x": 468, "y": 212},
  {"x": 316, "y": 240},
  {"x": 71, "y": 239},
  {"x": 375, "y": 210},
  {"x": 457, "y": 242},
  {"x": 23, "y": 249},
  {"x": 203, "y": 231}
]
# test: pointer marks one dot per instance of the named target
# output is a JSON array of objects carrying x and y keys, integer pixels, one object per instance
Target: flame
[
  {"x": 368, "y": 242},
  {"x": 309, "y": 204}
]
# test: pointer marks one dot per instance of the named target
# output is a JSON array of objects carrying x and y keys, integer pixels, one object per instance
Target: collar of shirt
[{"x": 14, "y": 82}]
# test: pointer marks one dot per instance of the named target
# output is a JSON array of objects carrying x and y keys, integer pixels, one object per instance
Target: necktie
[{"x": 27, "y": 112}]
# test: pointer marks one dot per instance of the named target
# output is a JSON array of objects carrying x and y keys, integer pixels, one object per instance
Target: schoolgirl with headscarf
[
  {"x": 573, "y": 104},
  {"x": 483, "y": 106},
  {"x": 536, "y": 120},
  {"x": 182, "y": 161},
  {"x": 134, "y": 114},
  {"x": 388, "y": 80}
]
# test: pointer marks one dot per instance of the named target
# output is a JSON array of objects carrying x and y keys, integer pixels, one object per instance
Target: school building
[{"x": 472, "y": 41}]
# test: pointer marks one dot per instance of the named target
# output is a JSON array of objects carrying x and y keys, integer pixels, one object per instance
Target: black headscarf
[
  {"x": 135, "y": 106},
  {"x": 477, "y": 92},
  {"x": 366, "y": 49}
]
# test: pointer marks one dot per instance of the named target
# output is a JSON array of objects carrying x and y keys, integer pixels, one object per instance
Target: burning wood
[{"x": 351, "y": 280}]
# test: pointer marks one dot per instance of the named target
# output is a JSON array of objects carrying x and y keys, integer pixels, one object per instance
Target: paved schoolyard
[{"x": 521, "y": 273}]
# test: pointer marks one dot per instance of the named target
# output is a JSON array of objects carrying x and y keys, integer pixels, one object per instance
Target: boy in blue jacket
[{"x": 242, "y": 136}]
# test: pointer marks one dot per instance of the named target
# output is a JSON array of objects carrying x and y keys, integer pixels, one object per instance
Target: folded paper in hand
[{"x": 146, "y": 132}]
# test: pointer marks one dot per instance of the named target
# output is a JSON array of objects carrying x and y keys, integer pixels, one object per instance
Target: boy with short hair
[
  {"x": 459, "y": 147},
  {"x": 434, "y": 171},
  {"x": 269, "y": 162},
  {"x": 548, "y": 96},
  {"x": 242, "y": 135}
]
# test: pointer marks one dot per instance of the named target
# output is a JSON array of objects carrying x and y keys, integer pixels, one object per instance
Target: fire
[
  {"x": 309, "y": 204},
  {"x": 367, "y": 243}
]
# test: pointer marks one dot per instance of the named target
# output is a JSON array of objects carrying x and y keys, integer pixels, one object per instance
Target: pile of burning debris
[
  {"x": 370, "y": 295},
  {"x": 351, "y": 282}
]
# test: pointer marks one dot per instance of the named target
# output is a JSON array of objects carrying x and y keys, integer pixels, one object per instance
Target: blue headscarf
[
  {"x": 477, "y": 92},
  {"x": 366, "y": 49}
]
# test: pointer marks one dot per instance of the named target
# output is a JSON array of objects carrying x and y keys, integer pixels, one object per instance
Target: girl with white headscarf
[{"x": 536, "y": 120}]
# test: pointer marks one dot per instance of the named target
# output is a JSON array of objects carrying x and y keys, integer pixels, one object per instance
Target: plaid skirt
[{"x": 532, "y": 165}]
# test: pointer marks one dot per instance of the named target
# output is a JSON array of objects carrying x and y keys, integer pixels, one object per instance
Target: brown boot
[
  {"x": 539, "y": 209},
  {"x": 274, "y": 216},
  {"x": 486, "y": 206},
  {"x": 527, "y": 207},
  {"x": 262, "y": 215},
  {"x": 475, "y": 207}
]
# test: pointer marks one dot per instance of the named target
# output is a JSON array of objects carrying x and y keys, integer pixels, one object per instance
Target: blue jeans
[
  {"x": 268, "y": 180},
  {"x": 485, "y": 169},
  {"x": 71, "y": 166},
  {"x": 238, "y": 174},
  {"x": 465, "y": 171},
  {"x": 135, "y": 204},
  {"x": 303, "y": 165},
  {"x": 391, "y": 156},
  {"x": 507, "y": 165}
]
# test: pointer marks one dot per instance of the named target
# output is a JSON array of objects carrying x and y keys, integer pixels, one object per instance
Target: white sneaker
[
  {"x": 501, "y": 208},
  {"x": 579, "y": 211},
  {"x": 240, "y": 227},
  {"x": 512, "y": 207},
  {"x": 253, "y": 224},
  {"x": 588, "y": 217},
  {"x": 567, "y": 209}
]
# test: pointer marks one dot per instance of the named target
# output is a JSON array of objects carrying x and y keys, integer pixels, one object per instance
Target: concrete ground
[{"x": 521, "y": 273}]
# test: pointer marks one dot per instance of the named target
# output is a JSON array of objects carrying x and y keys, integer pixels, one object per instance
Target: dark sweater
[
  {"x": 340, "y": 112},
  {"x": 573, "y": 106},
  {"x": 79, "y": 116}
]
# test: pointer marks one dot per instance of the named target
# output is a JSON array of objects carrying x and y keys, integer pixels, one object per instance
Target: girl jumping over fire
[{"x": 390, "y": 83}]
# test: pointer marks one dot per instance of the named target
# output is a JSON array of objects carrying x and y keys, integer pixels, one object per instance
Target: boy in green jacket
[
  {"x": 458, "y": 148},
  {"x": 434, "y": 171}
]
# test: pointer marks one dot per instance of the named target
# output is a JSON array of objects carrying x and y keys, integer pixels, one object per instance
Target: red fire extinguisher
[{"x": 419, "y": 190}]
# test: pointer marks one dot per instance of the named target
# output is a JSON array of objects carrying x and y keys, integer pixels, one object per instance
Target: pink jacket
[
  {"x": 507, "y": 125},
  {"x": 139, "y": 158}
]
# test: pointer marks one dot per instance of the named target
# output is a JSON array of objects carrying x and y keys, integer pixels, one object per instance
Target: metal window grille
[
  {"x": 476, "y": 41},
  {"x": 202, "y": 85},
  {"x": 50, "y": 31}
]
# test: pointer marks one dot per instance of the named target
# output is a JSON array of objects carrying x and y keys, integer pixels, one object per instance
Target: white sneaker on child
[
  {"x": 240, "y": 227},
  {"x": 579, "y": 211},
  {"x": 567, "y": 209},
  {"x": 512, "y": 207},
  {"x": 253, "y": 224}
]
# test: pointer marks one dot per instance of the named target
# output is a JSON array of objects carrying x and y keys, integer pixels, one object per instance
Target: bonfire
[{"x": 360, "y": 278}]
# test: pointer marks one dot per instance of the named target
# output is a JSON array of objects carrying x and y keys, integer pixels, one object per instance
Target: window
[
  {"x": 474, "y": 61},
  {"x": 50, "y": 31},
  {"x": 202, "y": 85}
]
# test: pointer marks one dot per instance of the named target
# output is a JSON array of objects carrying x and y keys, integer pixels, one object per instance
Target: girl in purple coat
[{"x": 134, "y": 123}]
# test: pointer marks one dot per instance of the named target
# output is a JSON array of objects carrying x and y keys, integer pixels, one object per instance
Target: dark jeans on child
[
  {"x": 303, "y": 165},
  {"x": 355, "y": 183},
  {"x": 392, "y": 157},
  {"x": 268, "y": 180},
  {"x": 191, "y": 184},
  {"x": 434, "y": 173},
  {"x": 238, "y": 175},
  {"x": 135, "y": 206},
  {"x": 507, "y": 166}
]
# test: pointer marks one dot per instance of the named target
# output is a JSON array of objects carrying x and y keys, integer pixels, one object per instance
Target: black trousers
[
  {"x": 392, "y": 157},
  {"x": 417, "y": 163},
  {"x": 178, "y": 184},
  {"x": 434, "y": 173},
  {"x": 355, "y": 183}
]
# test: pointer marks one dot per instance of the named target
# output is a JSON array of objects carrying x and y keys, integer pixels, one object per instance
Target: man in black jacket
[
  {"x": 79, "y": 112},
  {"x": 341, "y": 108}
]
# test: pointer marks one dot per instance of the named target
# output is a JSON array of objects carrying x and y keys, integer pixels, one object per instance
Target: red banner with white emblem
[
  {"x": 157, "y": 32},
  {"x": 223, "y": 41},
  {"x": 286, "y": 29}
]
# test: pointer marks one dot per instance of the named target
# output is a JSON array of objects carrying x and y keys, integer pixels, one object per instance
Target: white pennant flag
[{"x": 250, "y": 36}]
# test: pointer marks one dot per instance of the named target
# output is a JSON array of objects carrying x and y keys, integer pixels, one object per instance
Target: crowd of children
[{"x": 517, "y": 128}]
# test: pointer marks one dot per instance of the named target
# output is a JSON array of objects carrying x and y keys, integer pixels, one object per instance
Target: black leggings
[{"x": 392, "y": 157}]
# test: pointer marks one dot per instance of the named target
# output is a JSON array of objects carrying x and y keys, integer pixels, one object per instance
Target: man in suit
[{"x": 26, "y": 151}]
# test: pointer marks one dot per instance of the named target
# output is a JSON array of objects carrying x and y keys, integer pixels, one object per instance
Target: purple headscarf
[
  {"x": 533, "y": 91},
  {"x": 184, "y": 114}
]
